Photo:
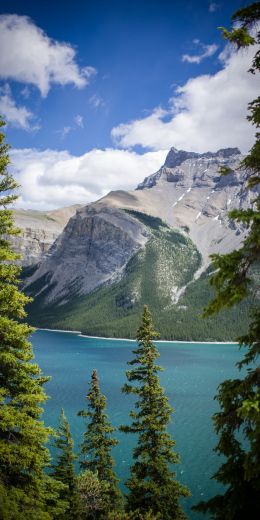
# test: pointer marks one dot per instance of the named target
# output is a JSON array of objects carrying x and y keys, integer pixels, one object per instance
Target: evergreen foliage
[
  {"x": 64, "y": 469},
  {"x": 94, "y": 496},
  {"x": 152, "y": 483},
  {"x": 98, "y": 443},
  {"x": 238, "y": 422},
  {"x": 25, "y": 490}
]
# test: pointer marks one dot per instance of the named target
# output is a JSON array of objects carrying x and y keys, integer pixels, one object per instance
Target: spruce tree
[
  {"x": 25, "y": 490},
  {"x": 98, "y": 442},
  {"x": 152, "y": 483},
  {"x": 64, "y": 470},
  {"x": 235, "y": 277}
]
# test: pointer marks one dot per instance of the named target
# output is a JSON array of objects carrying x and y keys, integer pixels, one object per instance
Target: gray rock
[
  {"x": 189, "y": 193},
  {"x": 93, "y": 249},
  {"x": 38, "y": 232}
]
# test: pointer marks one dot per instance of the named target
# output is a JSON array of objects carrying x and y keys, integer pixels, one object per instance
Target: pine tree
[
  {"x": 98, "y": 442},
  {"x": 152, "y": 483},
  {"x": 25, "y": 490},
  {"x": 94, "y": 496},
  {"x": 238, "y": 422},
  {"x": 64, "y": 470}
]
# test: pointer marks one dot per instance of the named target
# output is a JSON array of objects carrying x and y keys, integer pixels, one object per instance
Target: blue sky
[{"x": 105, "y": 88}]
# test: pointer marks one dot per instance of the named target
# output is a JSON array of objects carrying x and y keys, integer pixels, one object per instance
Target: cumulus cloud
[
  {"x": 206, "y": 52},
  {"x": 28, "y": 55},
  {"x": 17, "y": 116},
  {"x": 51, "y": 179},
  {"x": 207, "y": 113}
]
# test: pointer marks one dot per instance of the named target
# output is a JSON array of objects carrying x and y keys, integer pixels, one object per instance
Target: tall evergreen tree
[
  {"x": 64, "y": 470},
  {"x": 98, "y": 442},
  {"x": 153, "y": 486},
  {"x": 25, "y": 490},
  {"x": 238, "y": 422}
]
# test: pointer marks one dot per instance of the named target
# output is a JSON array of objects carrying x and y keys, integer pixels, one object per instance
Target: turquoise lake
[{"x": 192, "y": 374}]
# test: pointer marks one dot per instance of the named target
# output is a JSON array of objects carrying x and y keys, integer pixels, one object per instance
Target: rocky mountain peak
[
  {"x": 177, "y": 157},
  {"x": 171, "y": 171}
]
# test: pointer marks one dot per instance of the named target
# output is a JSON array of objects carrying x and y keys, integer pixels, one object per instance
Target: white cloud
[
  {"x": 25, "y": 92},
  {"x": 213, "y": 7},
  {"x": 206, "y": 113},
  {"x": 51, "y": 179},
  {"x": 65, "y": 131},
  {"x": 206, "y": 52},
  {"x": 96, "y": 101},
  {"x": 79, "y": 121},
  {"x": 17, "y": 116},
  {"x": 28, "y": 55}
]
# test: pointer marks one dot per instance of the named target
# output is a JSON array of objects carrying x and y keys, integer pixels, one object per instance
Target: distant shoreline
[{"x": 129, "y": 339}]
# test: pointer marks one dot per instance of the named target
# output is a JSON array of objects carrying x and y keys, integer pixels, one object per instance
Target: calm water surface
[{"x": 192, "y": 374}]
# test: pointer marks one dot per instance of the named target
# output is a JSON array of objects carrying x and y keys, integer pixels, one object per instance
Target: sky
[{"x": 95, "y": 93}]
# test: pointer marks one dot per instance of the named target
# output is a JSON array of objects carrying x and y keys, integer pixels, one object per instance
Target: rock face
[
  {"x": 189, "y": 193},
  {"x": 39, "y": 231},
  {"x": 93, "y": 248}
]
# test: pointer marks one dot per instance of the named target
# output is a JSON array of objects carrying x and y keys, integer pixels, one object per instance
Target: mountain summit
[
  {"x": 189, "y": 193},
  {"x": 177, "y": 157}
]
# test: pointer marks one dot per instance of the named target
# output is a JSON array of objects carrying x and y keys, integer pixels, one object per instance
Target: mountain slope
[
  {"x": 93, "y": 249},
  {"x": 39, "y": 230},
  {"x": 156, "y": 275}
]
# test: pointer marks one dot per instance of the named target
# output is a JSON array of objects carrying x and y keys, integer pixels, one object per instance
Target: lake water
[{"x": 191, "y": 377}]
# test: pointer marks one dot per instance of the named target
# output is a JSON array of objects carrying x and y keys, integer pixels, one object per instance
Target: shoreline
[{"x": 133, "y": 340}]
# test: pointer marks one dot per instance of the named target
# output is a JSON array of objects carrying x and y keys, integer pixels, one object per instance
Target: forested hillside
[{"x": 160, "y": 275}]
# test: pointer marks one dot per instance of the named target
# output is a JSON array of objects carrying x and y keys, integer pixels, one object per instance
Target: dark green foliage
[
  {"x": 64, "y": 470},
  {"x": 155, "y": 223},
  {"x": 98, "y": 443},
  {"x": 238, "y": 422},
  {"x": 25, "y": 490},
  {"x": 152, "y": 483}
]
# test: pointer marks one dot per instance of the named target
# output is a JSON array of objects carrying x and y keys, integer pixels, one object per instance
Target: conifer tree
[
  {"x": 25, "y": 490},
  {"x": 238, "y": 422},
  {"x": 152, "y": 483},
  {"x": 98, "y": 442},
  {"x": 64, "y": 470},
  {"x": 94, "y": 496}
]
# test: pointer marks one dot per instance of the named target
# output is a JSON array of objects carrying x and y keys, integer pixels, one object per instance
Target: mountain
[
  {"x": 39, "y": 231},
  {"x": 189, "y": 193},
  {"x": 94, "y": 248},
  {"x": 150, "y": 245}
]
